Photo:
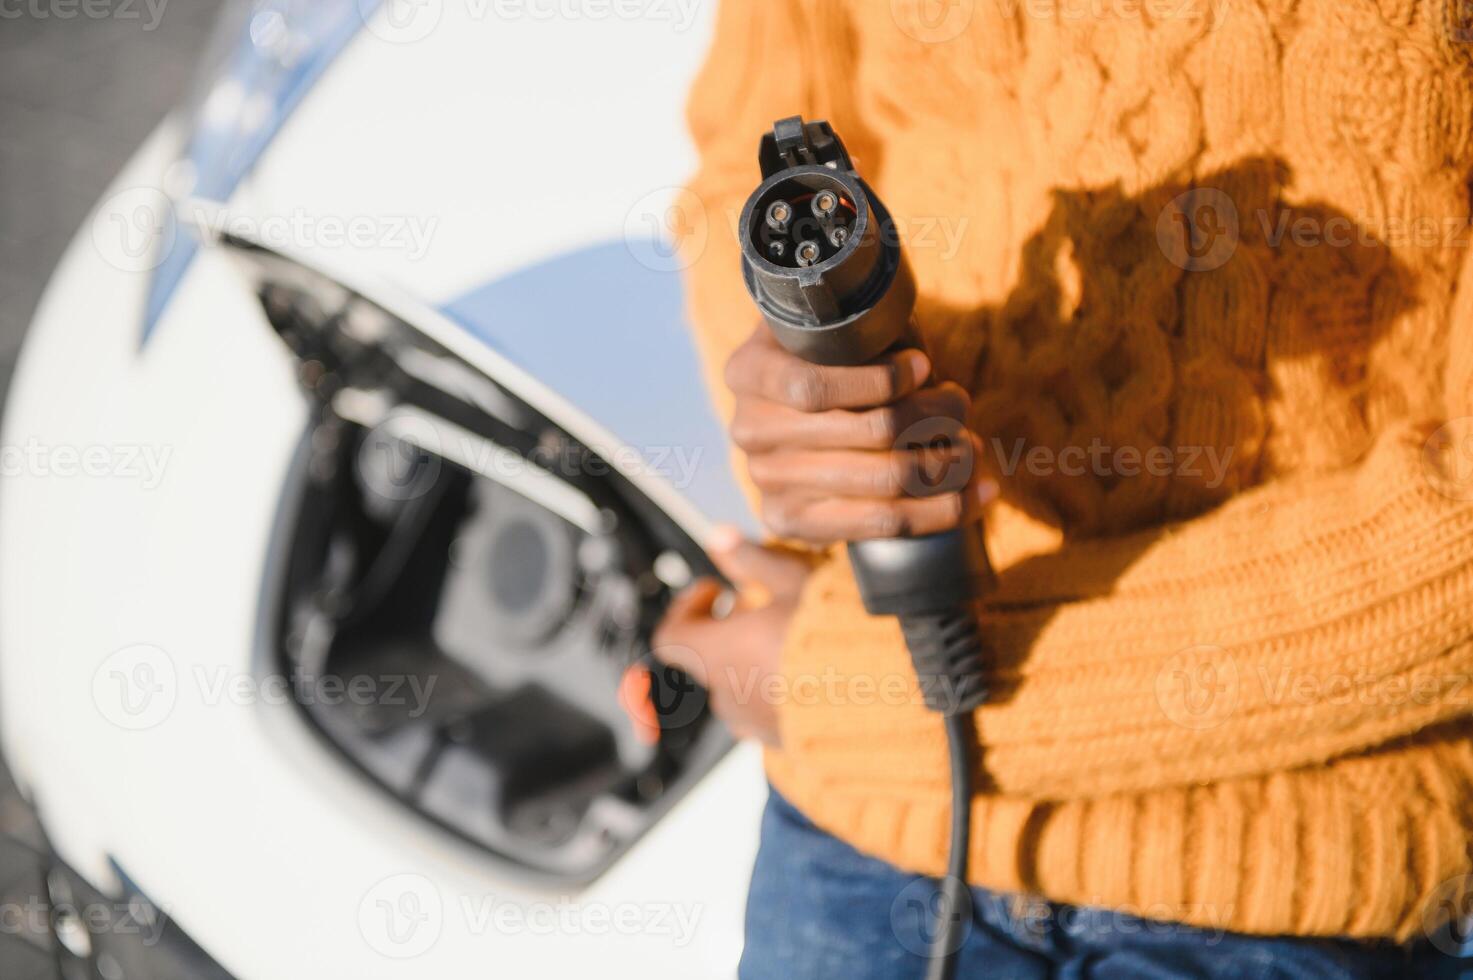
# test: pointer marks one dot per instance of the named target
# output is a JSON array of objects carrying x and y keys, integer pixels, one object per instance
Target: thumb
[
  {"x": 694, "y": 603},
  {"x": 683, "y": 629},
  {"x": 756, "y": 568}
]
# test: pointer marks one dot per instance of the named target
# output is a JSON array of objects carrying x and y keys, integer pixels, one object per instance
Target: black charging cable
[{"x": 822, "y": 260}]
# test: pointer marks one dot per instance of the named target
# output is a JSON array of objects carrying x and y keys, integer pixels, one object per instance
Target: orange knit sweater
[{"x": 1199, "y": 263}]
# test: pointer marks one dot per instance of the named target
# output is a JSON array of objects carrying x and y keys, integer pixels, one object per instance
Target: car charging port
[{"x": 476, "y": 585}]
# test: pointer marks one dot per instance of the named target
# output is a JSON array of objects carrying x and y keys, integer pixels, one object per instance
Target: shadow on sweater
[{"x": 1152, "y": 346}]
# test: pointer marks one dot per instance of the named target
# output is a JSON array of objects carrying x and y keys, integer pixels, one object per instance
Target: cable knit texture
[{"x": 1199, "y": 264}]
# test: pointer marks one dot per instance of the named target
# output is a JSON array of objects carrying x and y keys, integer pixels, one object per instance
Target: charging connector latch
[{"x": 794, "y": 143}]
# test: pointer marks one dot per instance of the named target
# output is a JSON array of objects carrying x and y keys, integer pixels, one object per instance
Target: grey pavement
[{"x": 78, "y": 94}]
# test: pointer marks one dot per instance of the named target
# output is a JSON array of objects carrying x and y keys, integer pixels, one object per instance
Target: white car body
[{"x": 140, "y": 531}]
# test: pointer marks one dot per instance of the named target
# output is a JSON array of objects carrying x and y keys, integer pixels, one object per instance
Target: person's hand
[
  {"x": 847, "y": 453},
  {"x": 735, "y": 657}
]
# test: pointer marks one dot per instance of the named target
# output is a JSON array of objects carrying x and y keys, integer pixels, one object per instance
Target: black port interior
[{"x": 463, "y": 645}]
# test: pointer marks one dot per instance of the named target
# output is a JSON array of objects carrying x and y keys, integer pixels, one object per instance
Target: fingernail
[
  {"x": 986, "y": 491},
  {"x": 724, "y": 538},
  {"x": 918, "y": 364}
]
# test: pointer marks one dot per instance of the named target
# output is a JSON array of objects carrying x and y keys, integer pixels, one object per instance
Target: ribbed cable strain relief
[{"x": 946, "y": 649}]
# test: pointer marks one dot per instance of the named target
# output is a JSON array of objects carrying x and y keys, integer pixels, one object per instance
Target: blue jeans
[{"x": 820, "y": 910}]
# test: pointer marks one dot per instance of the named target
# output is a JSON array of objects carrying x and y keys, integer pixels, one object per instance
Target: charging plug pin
[
  {"x": 776, "y": 250},
  {"x": 779, "y": 216},
  {"x": 838, "y": 237},
  {"x": 825, "y": 203},
  {"x": 807, "y": 253}
]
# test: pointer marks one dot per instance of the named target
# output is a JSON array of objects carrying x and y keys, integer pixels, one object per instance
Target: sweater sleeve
[{"x": 1301, "y": 621}]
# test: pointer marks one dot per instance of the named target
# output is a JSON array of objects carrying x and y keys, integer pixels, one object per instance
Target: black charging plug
[{"x": 822, "y": 260}]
